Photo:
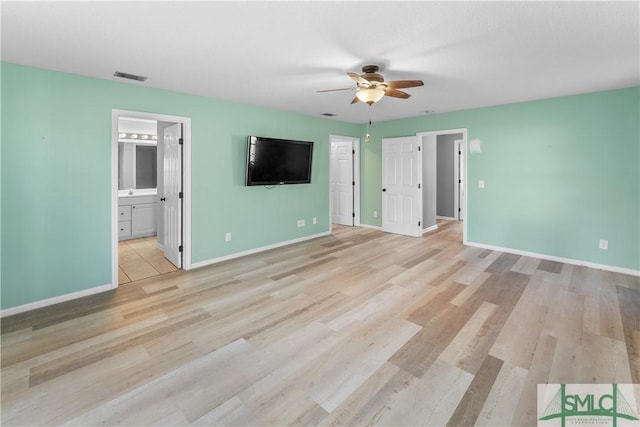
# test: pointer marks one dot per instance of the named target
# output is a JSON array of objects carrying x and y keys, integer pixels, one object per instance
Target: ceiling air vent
[{"x": 130, "y": 76}]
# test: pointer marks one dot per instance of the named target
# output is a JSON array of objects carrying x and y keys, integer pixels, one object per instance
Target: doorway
[
  {"x": 444, "y": 176},
  {"x": 151, "y": 172},
  {"x": 344, "y": 171}
]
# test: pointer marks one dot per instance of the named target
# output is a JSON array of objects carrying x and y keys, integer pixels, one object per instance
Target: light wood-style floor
[
  {"x": 140, "y": 259},
  {"x": 356, "y": 328}
]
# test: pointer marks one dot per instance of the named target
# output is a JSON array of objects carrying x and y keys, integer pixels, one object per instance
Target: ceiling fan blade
[
  {"x": 355, "y": 100},
  {"x": 402, "y": 84},
  {"x": 396, "y": 93},
  {"x": 334, "y": 90},
  {"x": 359, "y": 79}
]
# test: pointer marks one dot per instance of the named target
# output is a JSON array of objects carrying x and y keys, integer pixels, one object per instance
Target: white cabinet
[
  {"x": 124, "y": 230},
  {"x": 124, "y": 222},
  {"x": 143, "y": 219},
  {"x": 136, "y": 217}
]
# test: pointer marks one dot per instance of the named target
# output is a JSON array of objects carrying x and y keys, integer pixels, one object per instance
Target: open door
[
  {"x": 172, "y": 197},
  {"x": 342, "y": 183},
  {"x": 401, "y": 187}
]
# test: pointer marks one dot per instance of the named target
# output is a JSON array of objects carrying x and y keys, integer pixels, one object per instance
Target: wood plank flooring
[{"x": 356, "y": 328}]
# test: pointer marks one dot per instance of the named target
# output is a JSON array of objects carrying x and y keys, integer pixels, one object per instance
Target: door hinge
[
  {"x": 459, "y": 181},
  {"x": 420, "y": 148},
  {"x": 459, "y": 152},
  {"x": 419, "y": 186},
  {"x": 353, "y": 151},
  {"x": 353, "y": 214},
  {"x": 180, "y": 141},
  {"x": 180, "y": 248},
  {"x": 419, "y": 221},
  {"x": 353, "y": 183},
  {"x": 459, "y": 209},
  {"x": 180, "y": 195}
]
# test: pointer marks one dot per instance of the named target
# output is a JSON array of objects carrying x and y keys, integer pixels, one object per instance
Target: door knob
[{"x": 384, "y": 189}]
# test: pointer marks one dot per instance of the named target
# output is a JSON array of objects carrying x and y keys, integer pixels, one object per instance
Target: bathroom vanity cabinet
[{"x": 136, "y": 217}]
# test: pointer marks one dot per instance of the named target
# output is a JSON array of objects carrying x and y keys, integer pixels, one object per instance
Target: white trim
[
  {"x": 611, "y": 268},
  {"x": 375, "y": 227},
  {"x": 428, "y": 229},
  {"x": 355, "y": 144},
  {"x": 186, "y": 184},
  {"x": 54, "y": 300},
  {"x": 447, "y": 218},
  {"x": 257, "y": 250}
]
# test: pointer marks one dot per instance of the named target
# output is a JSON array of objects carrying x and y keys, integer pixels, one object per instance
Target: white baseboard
[
  {"x": 256, "y": 250},
  {"x": 55, "y": 300},
  {"x": 428, "y": 229},
  {"x": 611, "y": 268},
  {"x": 375, "y": 227},
  {"x": 446, "y": 218}
]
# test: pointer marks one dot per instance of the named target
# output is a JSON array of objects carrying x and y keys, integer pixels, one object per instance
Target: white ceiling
[{"x": 278, "y": 54}]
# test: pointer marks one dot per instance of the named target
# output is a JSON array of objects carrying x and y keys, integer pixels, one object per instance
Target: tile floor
[{"x": 141, "y": 258}]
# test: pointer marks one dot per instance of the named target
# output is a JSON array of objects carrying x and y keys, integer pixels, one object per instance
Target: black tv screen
[{"x": 272, "y": 161}]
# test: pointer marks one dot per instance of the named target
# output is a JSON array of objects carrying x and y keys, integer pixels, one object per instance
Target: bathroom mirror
[{"x": 137, "y": 165}]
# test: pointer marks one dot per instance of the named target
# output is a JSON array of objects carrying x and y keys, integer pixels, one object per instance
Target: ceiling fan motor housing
[{"x": 371, "y": 74}]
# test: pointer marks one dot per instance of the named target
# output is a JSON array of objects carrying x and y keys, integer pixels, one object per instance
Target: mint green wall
[
  {"x": 56, "y": 178},
  {"x": 560, "y": 174}
]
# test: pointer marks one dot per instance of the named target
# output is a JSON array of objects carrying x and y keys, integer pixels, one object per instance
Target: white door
[
  {"x": 401, "y": 192},
  {"x": 342, "y": 183},
  {"x": 172, "y": 197}
]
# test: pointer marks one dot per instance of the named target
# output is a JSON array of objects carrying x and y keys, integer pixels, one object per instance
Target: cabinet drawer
[
  {"x": 124, "y": 229},
  {"x": 124, "y": 213}
]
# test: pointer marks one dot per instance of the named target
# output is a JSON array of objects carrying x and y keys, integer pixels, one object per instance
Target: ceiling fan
[{"x": 371, "y": 86}]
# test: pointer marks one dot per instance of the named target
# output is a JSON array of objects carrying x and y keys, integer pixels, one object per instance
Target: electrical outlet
[
  {"x": 227, "y": 237},
  {"x": 375, "y": 214},
  {"x": 302, "y": 223},
  {"x": 481, "y": 184},
  {"x": 315, "y": 220},
  {"x": 604, "y": 244}
]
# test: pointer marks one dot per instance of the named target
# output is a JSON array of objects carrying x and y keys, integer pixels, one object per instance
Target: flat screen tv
[{"x": 272, "y": 161}]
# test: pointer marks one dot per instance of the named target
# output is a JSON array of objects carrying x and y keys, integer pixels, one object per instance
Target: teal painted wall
[
  {"x": 560, "y": 174},
  {"x": 56, "y": 178}
]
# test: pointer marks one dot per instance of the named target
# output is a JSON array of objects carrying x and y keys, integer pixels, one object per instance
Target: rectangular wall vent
[{"x": 130, "y": 76}]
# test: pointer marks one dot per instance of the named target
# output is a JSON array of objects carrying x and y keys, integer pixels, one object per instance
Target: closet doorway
[{"x": 150, "y": 195}]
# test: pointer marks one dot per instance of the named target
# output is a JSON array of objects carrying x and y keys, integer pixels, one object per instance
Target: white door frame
[
  {"x": 356, "y": 175},
  {"x": 186, "y": 184},
  {"x": 463, "y": 131}
]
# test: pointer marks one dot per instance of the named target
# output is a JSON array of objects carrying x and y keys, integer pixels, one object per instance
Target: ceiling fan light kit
[{"x": 370, "y": 96}]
